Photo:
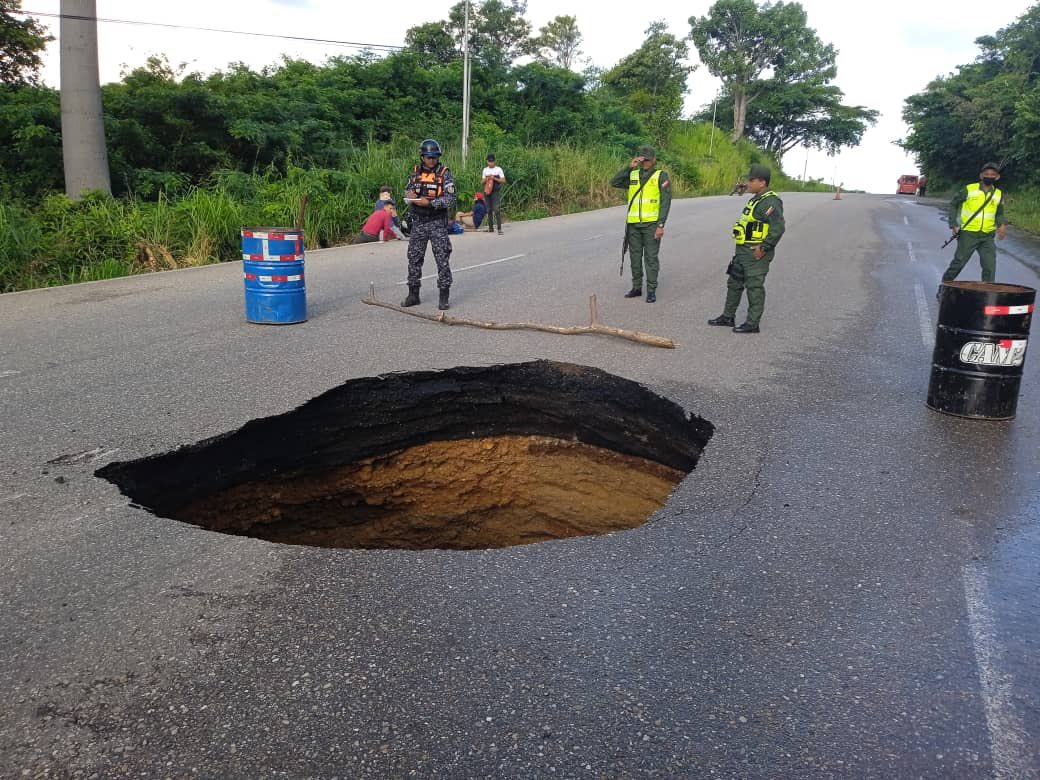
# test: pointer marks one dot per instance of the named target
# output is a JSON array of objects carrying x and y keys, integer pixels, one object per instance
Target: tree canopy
[
  {"x": 755, "y": 49},
  {"x": 21, "y": 40},
  {"x": 651, "y": 81},
  {"x": 988, "y": 110},
  {"x": 559, "y": 42}
]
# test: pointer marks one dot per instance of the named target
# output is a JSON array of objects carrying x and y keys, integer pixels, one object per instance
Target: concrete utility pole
[
  {"x": 465, "y": 85},
  {"x": 82, "y": 127}
]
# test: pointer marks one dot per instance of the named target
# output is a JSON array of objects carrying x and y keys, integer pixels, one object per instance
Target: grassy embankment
[
  {"x": 59, "y": 242},
  {"x": 1023, "y": 209}
]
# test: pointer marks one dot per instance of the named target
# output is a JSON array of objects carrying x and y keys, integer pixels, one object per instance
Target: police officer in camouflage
[
  {"x": 757, "y": 233},
  {"x": 649, "y": 200},
  {"x": 431, "y": 193}
]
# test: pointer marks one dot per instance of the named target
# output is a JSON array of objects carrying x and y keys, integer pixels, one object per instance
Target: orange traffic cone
[{"x": 837, "y": 193}]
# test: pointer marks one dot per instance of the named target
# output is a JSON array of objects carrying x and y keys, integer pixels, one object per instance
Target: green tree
[
  {"x": 559, "y": 42},
  {"x": 652, "y": 80},
  {"x": 498, "y": 32},
  {"x": 988, "y": 110},
  {"x": 434, "y": 41},
  {"x": 747, "y": 46},
  {"x": 20, "y": 42},
  {"x": 551, "y": 102},
  {"x": 807, "y": 114}
]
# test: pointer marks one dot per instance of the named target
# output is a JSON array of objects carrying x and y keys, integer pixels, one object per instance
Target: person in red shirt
[{"x": 382, "y": 220}]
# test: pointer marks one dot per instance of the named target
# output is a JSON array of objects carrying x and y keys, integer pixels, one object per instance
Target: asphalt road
[{"x": 846, "y": 586}]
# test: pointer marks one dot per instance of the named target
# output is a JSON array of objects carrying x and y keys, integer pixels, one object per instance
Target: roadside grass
[
  {"x": 58, "y": 241},
  {"x": 1023, "y": 209}
]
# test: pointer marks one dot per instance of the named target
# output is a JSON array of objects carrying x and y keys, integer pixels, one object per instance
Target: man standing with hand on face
[{"x": 649, "y": 200}]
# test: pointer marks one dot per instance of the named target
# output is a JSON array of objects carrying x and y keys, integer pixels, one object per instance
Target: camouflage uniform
[{"x": 430, "y": 224}]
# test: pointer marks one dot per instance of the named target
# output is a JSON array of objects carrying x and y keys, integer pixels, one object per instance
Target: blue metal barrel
[{"x": 272, "y": 264}]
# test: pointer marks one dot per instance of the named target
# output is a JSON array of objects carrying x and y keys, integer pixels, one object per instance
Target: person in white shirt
[{"x": 493, "y": 177}]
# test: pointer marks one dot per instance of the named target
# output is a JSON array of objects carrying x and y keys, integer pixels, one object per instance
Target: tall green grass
[
  {"x": 61, "y": 241},
  {"x": 1023, "y": 208}
]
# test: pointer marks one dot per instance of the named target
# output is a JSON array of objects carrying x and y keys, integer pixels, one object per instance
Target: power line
[{"x": 354, "y": 44}]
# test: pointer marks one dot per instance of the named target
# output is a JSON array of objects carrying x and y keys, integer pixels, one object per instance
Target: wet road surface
[{"x": 844, "y": 587}]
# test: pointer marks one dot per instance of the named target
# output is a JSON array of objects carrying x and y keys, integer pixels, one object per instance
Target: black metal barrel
[{"x": 980, "y": 349}]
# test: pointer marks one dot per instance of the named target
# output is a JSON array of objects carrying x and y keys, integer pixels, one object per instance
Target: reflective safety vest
[
  {"x": 748, "y": 230},
  {"x": 986, "y": 220},
  {"x": 646, "y": 206},
  {"x": 427, "y": 183}
]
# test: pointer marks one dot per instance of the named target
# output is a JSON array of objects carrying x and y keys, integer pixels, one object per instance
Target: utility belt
[{"x": 425, "y": 214}]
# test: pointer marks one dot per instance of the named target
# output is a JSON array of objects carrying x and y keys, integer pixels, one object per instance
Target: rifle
[
  {"x": 624, "y": 248},
  {"x": 978, "y": 211},
  {"x": 624, "y": 241}
]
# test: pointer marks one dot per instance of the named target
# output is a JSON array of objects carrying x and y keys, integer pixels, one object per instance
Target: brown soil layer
[
  {"x": 994, "y": 287},
  {"x": 465, "y": 494}
]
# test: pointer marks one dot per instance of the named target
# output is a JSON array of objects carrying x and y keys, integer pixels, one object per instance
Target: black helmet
[{"x": 429, "y": 148}]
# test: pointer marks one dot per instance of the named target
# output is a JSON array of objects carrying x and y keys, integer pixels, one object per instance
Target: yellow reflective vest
[
  {"x": 986, "y": 220},
  {"x": 748, "y": 230},
  {"x": 646, "y": 206}
]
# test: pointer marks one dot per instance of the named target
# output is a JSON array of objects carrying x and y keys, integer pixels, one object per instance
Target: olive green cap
[{"x": 760, "y": 172}]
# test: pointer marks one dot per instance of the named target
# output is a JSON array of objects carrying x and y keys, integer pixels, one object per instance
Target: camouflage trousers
[{"x": 436, "y": 233}]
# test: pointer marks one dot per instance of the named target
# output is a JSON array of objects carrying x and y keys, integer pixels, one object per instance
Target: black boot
[
  {"x": 413, "y": 296},
  {"x": 747, "y": 327},
  {"x": 723, "y": 319},
  {"x": 635, "y": 292},
  {"x": 443, "y": 305}
]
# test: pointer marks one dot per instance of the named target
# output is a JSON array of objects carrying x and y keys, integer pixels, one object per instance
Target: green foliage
[
  {"x": 20, "y": 42},
  {"x": 433, "y": 42},
  {"x": 651, "y": 82},
  {"x": 807, "y": 114},
  {"x": 30, "y": 141},
  {"x": 753, "y": 50},
  {"x": 986, "y": 110},
  {"x": 62, "y": 241},
  {"x": 1023, "y": 208},
  {"x": 196, "y": 157},
  {"x": 559, "y": 42},
  {"x": 498, "y": 31}
]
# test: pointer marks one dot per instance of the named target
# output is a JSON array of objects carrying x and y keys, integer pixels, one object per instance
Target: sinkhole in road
[{"x": 463, "y": 458}]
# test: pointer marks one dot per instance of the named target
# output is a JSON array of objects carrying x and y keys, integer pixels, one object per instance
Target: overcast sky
[{"x": 887, "y": 49}]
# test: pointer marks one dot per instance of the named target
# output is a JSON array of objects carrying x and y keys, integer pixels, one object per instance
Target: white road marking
[
  {"x": 924, "y": 317},
  {"x": 9, "y": 373},
  {"x": 469, "y": 267},
  {"x": 910, "y": 251},
  {"x": 593, "y": 238},
  {"x": 905, "y": 220},
  {"x": 1008, "y": 738},
  {"x": 15, "y": 497}
]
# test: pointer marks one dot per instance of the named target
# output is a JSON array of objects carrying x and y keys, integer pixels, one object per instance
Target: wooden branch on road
[{"x": 566, "y": 330}]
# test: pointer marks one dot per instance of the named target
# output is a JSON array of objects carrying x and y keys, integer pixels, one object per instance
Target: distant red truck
[{"x": 907, "y": 185}]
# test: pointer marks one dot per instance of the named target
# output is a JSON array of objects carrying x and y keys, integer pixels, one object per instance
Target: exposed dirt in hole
[{"x": 467, "y": 494}]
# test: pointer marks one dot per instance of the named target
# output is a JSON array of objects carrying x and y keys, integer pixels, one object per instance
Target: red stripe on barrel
[{"x": 990, "y": 311}]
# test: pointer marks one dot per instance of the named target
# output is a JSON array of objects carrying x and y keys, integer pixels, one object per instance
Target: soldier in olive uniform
[
  {"x": 431, "y": 193},
  {"x": 649, "y": 200},
  {"x": 976, "y": 214},
  {"x": 757, "y": 233}
]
